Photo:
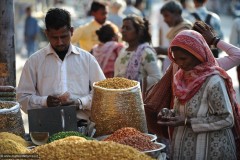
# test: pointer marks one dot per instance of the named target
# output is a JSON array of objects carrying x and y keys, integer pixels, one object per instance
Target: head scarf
[
  {"x": 187, "y": 83},
  {"x": 104, "y": 52},
  {"x": 133, "y": 68}
]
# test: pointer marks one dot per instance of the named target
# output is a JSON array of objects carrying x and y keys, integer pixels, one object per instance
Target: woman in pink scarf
[
  {"x": 205, "y": 102},
  {"x": 108, "y": 50}
]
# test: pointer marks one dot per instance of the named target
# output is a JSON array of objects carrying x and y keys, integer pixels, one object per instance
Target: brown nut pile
[
  {"x": 132, "y": 137},
  {"x": 139, "y": 143},
  {"x": 122, "y": 133},
  {"x": 116, "y": 83}
]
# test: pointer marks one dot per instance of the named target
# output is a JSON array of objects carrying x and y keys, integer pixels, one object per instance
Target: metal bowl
[
  {"x": 155, "y": 153},
  {"x": 153, "y": 136},
  {"x": 39, "y": 138}
]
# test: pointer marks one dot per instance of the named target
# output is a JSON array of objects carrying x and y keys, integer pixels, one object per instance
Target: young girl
[{"x": 106, "y": 52}]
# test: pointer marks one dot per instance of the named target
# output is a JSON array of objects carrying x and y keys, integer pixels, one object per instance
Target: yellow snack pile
[
  {"x": 8, "y": 146},
  {"x": 13, "y": 137},
  {"x": 116, "y": 83},
  {"x": 88, "y": 150}
]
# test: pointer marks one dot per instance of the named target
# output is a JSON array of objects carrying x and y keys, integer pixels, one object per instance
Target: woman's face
[
  {"x": 129, "y": 33},
  {"x": 186, "y": 61}
]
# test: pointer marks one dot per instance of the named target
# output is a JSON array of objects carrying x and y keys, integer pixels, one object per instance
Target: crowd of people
[{"x": 206, "y": 123}]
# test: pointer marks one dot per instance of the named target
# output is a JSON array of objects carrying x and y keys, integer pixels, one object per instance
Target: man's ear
[{"x": 71, "y": 30}]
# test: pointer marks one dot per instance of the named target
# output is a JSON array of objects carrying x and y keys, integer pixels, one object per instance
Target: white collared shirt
[{"x": 44, "y": 74}]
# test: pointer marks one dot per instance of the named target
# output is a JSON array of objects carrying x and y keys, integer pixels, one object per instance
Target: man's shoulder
[
  {"x": 39, "y": 54},
  {"x": 87, "y": 25},
  {"x": 80, "y": 51}
]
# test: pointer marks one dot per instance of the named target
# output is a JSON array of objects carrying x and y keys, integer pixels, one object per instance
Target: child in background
[{"x": 106, "y": 52}]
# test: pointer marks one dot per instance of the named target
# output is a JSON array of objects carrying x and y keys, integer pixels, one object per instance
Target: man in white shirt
[{"x": 60, "y": 73}]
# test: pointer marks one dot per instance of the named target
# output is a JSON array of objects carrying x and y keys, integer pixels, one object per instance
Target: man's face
[
  {"x": 100, "y": 15},
  {"x": 60, "y": 38},
  {"x": 169, "y": 18}
]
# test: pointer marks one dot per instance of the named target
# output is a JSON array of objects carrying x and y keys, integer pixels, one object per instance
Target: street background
[{"x": 21, "y": 54}]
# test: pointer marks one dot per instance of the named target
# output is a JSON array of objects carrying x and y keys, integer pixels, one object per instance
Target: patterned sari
[{"x": 187, "y": 84}]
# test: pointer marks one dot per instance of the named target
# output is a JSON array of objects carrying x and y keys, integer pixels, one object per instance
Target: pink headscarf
[{"x": 187, "y": 83}]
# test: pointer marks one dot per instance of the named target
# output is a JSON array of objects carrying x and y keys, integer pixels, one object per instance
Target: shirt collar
[{"x": 72, "y": 49}]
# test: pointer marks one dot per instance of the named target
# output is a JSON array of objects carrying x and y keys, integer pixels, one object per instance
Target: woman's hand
[
  {"x": 206, "y": 31},
  {"x": 172, "y": 121}
]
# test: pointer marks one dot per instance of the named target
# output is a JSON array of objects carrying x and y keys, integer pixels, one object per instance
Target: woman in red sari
[{"x": 205, "y": 102}]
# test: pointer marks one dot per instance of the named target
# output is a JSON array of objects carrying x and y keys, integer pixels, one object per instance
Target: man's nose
[{"x": 59, "y": 41}]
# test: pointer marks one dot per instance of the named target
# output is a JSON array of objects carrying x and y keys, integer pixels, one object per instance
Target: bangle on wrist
[
  {"x": 215, "y": 42},
  {"x": 213, "y": 39},
  {"x": 80, "y": 103},
  {"x": 185, "y": 122}
]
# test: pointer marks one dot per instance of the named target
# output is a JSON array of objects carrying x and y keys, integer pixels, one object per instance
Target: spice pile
[
  {"x": 122, "y": 133},
  {"x": 76, "y": 148},
  {"x": 134, "y": 138},
  {"x": 116, "y": 83},
  {"x": 12, "y": 144}
]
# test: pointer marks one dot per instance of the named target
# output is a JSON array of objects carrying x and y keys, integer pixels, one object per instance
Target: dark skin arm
[
  {"x": 173, "y": 121},
  {"x": 53, "y": 101},
  {"x": 205, "y": 30},
  {"x": 161, "y": 50}
]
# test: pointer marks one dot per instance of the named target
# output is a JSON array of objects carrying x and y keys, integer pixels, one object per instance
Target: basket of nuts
[{"x": 117, "y": 103}]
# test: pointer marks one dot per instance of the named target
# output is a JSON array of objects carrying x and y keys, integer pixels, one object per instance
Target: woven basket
[
  {"x": 11, "y": 118},
  {"x": 113, "y": 109}
]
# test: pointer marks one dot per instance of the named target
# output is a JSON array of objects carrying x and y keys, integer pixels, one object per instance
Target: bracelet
[
  {"x": 215, "y": 42},
  {"x": 185, "y": 122},
  {"x": 214, "y": 38},
  {"x": 80, "y": 103}
]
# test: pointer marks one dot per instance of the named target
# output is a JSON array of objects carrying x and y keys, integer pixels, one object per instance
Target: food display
[
  {"x": 117, "y": 103},
  {"x": 8, "y": 146},
  {"x": 139, "y": 143},
  {"x": 134, "y": 138},
  {"x": 116, "y": 83},
  {"x": 7, "y": 93},
  {"x": 13, "y": 137},
  {"x": 61, "y": 135},
  {"x": 11, "y": 118},
  {"x": 87, "y": 150},
  {"x": 12, "y": 144},
  {"x": 122, "y": 133}
]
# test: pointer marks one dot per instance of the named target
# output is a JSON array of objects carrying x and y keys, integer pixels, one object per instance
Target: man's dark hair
[
  {"x": 172, "y": 7},
  {"x": 105, "y": 33},
  {"x": 130, "y": 2},
  {"x": 96, "y": 6},
  {"x": 57, "y": 18},
  {"x": 200, "y": 1}
]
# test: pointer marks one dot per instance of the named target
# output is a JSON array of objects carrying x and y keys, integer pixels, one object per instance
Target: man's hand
[
  {"x": 53, "y": 101},
  {"x": 66, "y": 99}
]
